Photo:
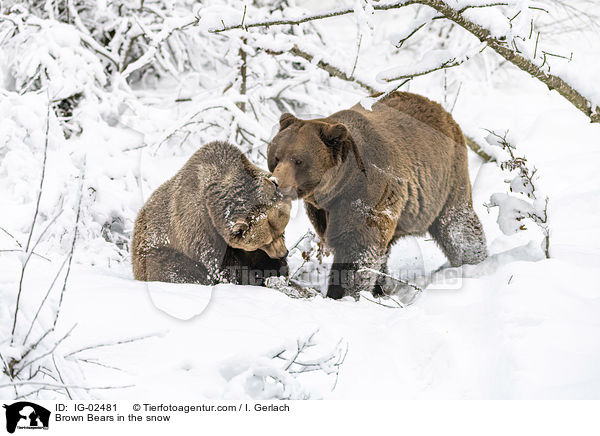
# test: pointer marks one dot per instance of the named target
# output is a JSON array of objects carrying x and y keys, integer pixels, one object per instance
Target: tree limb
[
  {"x": 314, "y": 17},
  {"x": 332, "y": 70},
  {"x": 483, "y": 34}
]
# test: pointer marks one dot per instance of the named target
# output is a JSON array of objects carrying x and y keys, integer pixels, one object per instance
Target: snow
[{"x": 516, "y": 326}]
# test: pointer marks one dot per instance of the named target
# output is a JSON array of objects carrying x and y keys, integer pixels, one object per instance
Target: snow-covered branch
[
  {"x": 332, "y": 70},
  {"x": 434, "y": 60},
  {"x": 525, "y": 200},
  {"x": 503, "y": 44},
  {"x": 278, "y": 373}
]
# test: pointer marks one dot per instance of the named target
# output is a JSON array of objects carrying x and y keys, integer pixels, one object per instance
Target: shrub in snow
[
  {"x": 525, "y": 200},
  {"x": 313, "y": 254},
  {"x": 280, "y": 373},
  {"x": 49, "y": 55}
]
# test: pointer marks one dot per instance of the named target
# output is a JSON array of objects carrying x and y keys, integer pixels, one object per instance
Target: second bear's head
[
  {"x": 303, "y": 151},
  {"x": 258, "y": 214}
]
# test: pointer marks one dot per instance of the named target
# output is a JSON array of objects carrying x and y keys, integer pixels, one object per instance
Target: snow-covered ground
[
  {"x": 516, "y": 326},
  {"x": 515, "y": 329}
]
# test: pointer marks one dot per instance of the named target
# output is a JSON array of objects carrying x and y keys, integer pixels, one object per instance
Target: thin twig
[
  {"x": 33, "y": 346},
  {"x": 124, "y": 341},
  {"x": 49, "y": 352},
  {"x": 332, "y": 70},
  {"x": 22, "y": 251},
  {"x": 28, "y": 395},
  {"x": 398, "y": 304},
  {"x": 12, "y": 334},
  {"x": 93, "y": 362},
  {"x": 12, "y": 237},
  {"x": 64, "y": 287},
  {"x": 39, "y": 196},
  {"x": 35, "y": 214},
  {"x": 61, "y": 378},
  {"x": 356, "y": 57},
  {"x": 37, "y": 313},
  {"x": 62, "y": 386}
]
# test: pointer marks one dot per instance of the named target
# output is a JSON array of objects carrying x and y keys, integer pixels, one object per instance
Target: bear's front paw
[{"x": 335, "y": 291}]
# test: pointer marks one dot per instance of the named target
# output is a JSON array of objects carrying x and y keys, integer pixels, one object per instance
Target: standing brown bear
[
  {"x": 219, "y": 219},
  {"x": 369, "y": 177}
]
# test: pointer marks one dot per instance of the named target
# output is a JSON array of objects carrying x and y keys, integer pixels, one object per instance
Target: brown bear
[
  {"x": 368, "y": 177},
  {"x": 219, "y": 219}
]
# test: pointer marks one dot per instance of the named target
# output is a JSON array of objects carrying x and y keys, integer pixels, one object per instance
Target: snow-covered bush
[
  {"x": 525, "y": 200},
  {"x": 280, "y": 373}
]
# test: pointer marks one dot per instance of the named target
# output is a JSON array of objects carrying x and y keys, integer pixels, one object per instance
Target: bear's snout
[{"x": 276, "y": 249}]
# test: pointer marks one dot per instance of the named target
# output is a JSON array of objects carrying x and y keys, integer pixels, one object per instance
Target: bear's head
[
  {"x": 262, "y": 224},
  {"x": 303, "y": 151}
]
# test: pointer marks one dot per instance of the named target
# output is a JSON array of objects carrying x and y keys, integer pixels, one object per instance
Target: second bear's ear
[
  {"x": 239, "y": 228},
  {"x": 285, "y": 120},
  {"x": 339, "y": 140}
]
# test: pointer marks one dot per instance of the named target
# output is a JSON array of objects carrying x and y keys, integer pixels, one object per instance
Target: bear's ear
[
  {"x": 339, "y": 140},
  {"x": 239, "y": 227},
  {"x": 285, "y": 120}
]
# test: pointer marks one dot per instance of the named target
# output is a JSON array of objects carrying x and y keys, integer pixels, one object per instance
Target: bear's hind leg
[
  {"x": 167, "y": 265},
  {"x": 459, "y": 234}
]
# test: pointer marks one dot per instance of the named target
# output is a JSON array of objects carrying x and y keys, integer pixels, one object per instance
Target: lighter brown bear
[
  {"x": 368, "y": 178},
  {"x": 219, "y": 219}
]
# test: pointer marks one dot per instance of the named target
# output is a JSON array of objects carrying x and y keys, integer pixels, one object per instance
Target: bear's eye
[{"x": 297, "y": 162}]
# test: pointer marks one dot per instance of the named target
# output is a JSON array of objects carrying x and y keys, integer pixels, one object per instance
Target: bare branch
[
  {"x": 64, "y": 287},
  {"x": 62, "y": 386},
  {"x": 11, "y": 236},
  {"x": 448, "y": 63},
  {"x": 340, "y": 12},
  {"x": 48, "y": 353},
  {"x": 25, "y": 263},
  {"x": 39, "y": 196},
  {"x": 478, "y": 150},
  {"x": 332, "y": 70},
  {"x": 124, "y": 341},
  {"x": 313, "y": 17},
  {"x": 61, "y": 378}
]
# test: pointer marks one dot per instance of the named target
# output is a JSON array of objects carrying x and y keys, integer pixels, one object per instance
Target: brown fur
[
  {"x": 370, "y": 177},
  {"x": 219, "y": 219}
]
